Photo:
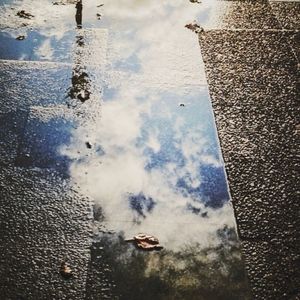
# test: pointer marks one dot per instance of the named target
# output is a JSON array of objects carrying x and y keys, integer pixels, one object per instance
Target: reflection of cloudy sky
[
  {"x": 152, "y": 165},
  {"x": 156, "y": 167},
  {"x": 54, "y": 25}
]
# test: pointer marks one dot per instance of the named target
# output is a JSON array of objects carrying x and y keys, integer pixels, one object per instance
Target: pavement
[
  {"x": 252, "y": 66},
  {"x": 58, "y": 185}
]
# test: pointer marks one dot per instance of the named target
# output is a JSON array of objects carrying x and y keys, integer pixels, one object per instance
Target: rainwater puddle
[{"x": 153, "y": 163}]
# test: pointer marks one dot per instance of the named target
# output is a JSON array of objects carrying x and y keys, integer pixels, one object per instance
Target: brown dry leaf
[
  {"x": 146, "y": 242},
  {"x": 65, "y": 270}
]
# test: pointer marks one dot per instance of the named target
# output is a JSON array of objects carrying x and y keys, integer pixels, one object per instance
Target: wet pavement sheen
[{"x": 107, "y": 131}]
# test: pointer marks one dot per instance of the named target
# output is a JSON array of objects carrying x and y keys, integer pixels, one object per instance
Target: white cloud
[{"x": 45, "y": 51}]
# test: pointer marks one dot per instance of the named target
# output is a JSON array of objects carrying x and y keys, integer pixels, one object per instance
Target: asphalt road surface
[{"x": 111, "y": 120}]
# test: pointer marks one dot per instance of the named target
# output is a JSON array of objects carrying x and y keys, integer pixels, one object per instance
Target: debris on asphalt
[
  {"x": 195, "y": 1},
  {"x": 146, "y": 242},
  {"x": 204, "y": 214},
  {"x": 65, "y": 270},
  {"x": 98, "y": 16},
  {"x": 23, "y": 14},
  {"x": 181, "y": 104},
  {"x": 83, "y": 96},
  {"x": 88, "y": 145},
  {"x": 80, "y": 85},
  {"x": 194, "y": 27},
  {"x": 100, "y": 5},
  {"x": 20, "y": 38}
]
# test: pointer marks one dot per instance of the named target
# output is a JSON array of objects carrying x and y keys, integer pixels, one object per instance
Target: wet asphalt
[
  {"x": 251, "y": 62},
  {"x": 252, "y": 65}
]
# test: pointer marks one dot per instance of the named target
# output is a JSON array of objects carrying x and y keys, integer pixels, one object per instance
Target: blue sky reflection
[
  {"x": 140, "y": 137},
  {"x": 160, "y": 161}
]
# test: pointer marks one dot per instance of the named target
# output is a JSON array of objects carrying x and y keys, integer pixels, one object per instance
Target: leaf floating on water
[
  {"x": 23, "y": 14},
  {"x": 88, "y": 145},
  {"x": 20, "y": 38},
  {"x": 146, "y": 242},
  {"x": 194, "y": 27}
]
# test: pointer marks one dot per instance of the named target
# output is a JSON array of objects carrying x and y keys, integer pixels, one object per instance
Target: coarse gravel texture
[
  {"x": 43, "y": 222},
  {"x": 287, "y": 13},
  {"x": 252, "y": 70},
  {"x": 44, "y": 218},
  {"x": 252, "y": 76},
  {"x": 245, "y": 15}
]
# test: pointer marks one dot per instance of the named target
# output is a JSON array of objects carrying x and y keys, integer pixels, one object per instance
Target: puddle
[
  {"x": 50, "y": 32},
  {"x": 40, "y": 145},
  {"x": 154, "y": 164},
  {"x": 159, "y": 170}
]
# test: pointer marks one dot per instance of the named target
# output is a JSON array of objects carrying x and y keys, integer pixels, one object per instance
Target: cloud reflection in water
[
  {"x": 153, "y": 164},
  {"x": 160, "y": 162}
]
